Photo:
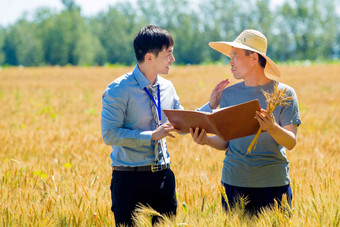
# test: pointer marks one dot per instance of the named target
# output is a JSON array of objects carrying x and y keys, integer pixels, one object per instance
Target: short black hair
[
  {"x": 262, "y": 60},
  {"x": 151, "y": 39}
]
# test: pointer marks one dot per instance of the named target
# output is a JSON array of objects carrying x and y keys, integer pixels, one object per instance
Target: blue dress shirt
[{"x": 127, "y": 119}]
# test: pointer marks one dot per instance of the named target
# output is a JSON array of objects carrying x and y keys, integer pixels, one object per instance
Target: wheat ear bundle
[{"x": 277, "y": 98}]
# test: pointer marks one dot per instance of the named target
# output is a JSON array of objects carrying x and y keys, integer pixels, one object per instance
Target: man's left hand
[
  {"x": 266, "y": 120},
  {"x": 163, "y": 131}
]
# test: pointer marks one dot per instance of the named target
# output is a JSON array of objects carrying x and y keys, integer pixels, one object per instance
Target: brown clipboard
[{"x": 228, "y": 123}]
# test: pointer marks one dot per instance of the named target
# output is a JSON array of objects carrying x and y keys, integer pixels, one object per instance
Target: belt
[{"x": 152, "y": 168}]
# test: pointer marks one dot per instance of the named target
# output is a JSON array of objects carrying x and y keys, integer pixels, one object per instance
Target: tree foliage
[{"x": 296, "y": 30}]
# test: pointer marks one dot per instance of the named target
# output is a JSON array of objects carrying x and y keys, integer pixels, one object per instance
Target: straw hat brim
[{"x": 271, "y": 68}]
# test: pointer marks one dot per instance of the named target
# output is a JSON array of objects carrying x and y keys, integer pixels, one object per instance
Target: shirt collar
[{"x": 141, "y": 78}]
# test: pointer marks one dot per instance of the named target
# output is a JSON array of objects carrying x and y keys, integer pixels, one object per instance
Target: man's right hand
[
  {"x": 199, "y": 136},
  {"x": 215, "y": 96}
]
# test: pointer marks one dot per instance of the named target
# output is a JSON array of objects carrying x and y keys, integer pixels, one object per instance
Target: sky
[{"x": 12, "y": 10}]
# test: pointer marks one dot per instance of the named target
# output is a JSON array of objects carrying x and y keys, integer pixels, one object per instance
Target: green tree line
[{"x": 296, "y": 30}]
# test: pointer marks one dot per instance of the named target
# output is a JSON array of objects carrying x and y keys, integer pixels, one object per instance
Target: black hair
[
  {"x": 262, "y": 60},
  {"x": 151, "y": 39}
]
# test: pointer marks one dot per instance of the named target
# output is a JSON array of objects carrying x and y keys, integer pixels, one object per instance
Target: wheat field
[{"x": 55, "y": 169}]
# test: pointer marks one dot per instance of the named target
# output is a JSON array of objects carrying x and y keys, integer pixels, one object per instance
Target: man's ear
[
  {"x": 148, "y": 57},
  {"x": 255, "y": 57}
]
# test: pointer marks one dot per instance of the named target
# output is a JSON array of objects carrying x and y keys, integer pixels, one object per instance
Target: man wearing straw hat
[{"x": 261, "y": 176}]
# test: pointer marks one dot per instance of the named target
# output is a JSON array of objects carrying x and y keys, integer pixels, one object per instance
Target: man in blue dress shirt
[{"x": 131, "y": 123}]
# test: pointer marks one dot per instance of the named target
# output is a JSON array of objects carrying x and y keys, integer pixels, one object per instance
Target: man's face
[
  {"x": 163, "y": 61},
  {"x": 240, "y": 63}
]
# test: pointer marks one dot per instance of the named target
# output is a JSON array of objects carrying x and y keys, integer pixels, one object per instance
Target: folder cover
[{"x": 228, "y": 123}]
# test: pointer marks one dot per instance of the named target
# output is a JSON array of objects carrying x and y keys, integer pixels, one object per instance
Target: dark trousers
[
  {"x": 128, "y": 189},
  {"x": 257, "y": 197}
]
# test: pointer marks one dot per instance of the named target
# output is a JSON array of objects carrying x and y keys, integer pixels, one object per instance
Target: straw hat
[{"x": 249, "y": 40}]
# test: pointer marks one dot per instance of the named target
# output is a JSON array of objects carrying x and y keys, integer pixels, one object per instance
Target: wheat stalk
[
  {"x": 143, "y": 215},
  {"x": 224, "y": 194},
  {"x": 277, "y": 98}
]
